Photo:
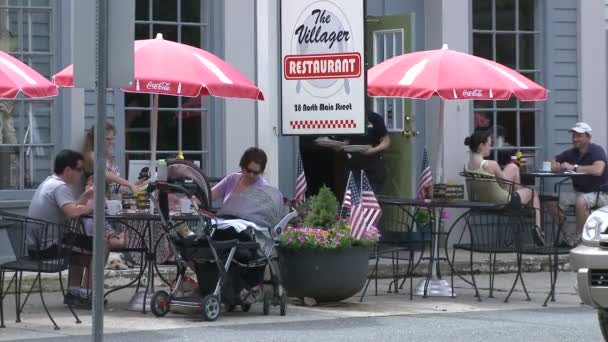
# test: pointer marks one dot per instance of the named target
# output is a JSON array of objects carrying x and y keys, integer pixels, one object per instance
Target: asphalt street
[{"x": 564, "y": 324}]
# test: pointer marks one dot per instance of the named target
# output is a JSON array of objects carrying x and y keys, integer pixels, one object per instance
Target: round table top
[
  {"x": 415, "y": 202},
  {"x": 543, "y": 174}
]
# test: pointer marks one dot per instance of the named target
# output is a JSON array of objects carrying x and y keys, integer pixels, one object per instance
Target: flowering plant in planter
[{"x": 319, "y": 226}]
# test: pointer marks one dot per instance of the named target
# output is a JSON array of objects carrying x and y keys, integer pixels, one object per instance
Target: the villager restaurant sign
[{"x": 323, "y": 83}]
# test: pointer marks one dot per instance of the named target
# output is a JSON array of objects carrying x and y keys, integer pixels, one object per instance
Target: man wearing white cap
[{"x": 590, "y": 159}]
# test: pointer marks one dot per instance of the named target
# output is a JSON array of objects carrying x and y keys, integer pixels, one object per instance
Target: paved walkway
[{"x": 35, "y": 324}]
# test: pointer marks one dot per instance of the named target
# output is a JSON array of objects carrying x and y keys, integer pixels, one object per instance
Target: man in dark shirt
[
  {"x": 371, "y": 160},
  {"x": 590, "y": 159}
]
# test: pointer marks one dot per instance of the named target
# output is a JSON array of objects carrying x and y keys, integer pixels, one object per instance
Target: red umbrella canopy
[
  {"x": 168, "y": 68},
  {"x": 450, "y": 74},
  {"x": 15, "y": 77}
]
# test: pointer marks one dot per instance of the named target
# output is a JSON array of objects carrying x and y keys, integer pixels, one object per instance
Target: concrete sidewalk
[
  {"x": 36, "y": 325},
  {"x": 506, "y": 263}
]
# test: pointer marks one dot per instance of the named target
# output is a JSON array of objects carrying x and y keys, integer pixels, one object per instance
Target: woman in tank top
[{"x": 480, "y": 145}]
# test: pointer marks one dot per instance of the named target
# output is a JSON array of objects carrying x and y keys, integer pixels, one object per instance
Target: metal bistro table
[
  {"x": 434, "y": 285},
  {"x": 144, "y": 224},
  {"x": 544, "y": 175}
]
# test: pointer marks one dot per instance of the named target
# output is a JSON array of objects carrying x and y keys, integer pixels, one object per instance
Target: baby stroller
[{"x": 228, "y": 261}]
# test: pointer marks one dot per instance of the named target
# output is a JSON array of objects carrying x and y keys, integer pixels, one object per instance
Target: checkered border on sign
[{"x": 312, "y": 124}]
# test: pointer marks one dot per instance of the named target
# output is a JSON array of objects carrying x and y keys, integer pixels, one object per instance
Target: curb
[{"x": 116, "y": 278}]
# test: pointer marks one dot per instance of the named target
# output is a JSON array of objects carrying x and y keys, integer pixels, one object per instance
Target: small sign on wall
[{"x": 323, "y": 67}]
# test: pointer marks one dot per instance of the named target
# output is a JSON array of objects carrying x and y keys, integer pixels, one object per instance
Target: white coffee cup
[
  {"x": 546, "y": 166},
  {"x": 185, "y": 205},
  {"x": 114, "y": 207}
]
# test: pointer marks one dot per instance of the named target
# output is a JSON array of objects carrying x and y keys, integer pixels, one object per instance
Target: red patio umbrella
[
  {"x": 451, "y": 75},
  {"x": 169, "y": 68},
  {"x": 16, "y": 77}
]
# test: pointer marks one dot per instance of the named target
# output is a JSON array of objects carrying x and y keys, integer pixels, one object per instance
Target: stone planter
[{"x": 325, "y": 275}]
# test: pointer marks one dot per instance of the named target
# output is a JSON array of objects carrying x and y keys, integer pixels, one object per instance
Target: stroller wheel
[
  {"x": 283, "y": 303},
  {"x": 245, "y": 307},
  {"x": 159, "y": 303},
  {"x": 267, "y": 301},
  {"x": 211, "y": 308}
]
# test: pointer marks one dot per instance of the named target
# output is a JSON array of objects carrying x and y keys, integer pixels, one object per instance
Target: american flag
[
  {"x": 346, "y": 203},
  {"x": 300, "y": 183},
  {"x": 425, "y": 180},
  {"x": 365, "y": 209}
]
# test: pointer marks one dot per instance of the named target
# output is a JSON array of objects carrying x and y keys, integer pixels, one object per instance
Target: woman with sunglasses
[{"x": 253, "y": 163}]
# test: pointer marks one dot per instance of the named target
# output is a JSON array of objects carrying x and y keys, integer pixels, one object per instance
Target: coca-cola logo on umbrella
[
  {"x": 322, "y": 58},
  {"x": 166, "y": 86}
]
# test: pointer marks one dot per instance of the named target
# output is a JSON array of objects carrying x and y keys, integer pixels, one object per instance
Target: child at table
[{"x": 113, "y": 239}]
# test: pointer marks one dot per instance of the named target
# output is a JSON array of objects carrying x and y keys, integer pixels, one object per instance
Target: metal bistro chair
[
  {"x": 30, "y": 241},
  {"x": 490, "y": 231},
  {"x": 399, "y": 241},
  {"x": 551, "y": 247}
]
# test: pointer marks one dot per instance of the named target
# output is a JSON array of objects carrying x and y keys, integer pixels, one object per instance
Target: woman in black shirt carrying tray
[{"x": 370, "y": 160}]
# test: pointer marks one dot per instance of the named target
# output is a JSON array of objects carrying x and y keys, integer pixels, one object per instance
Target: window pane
[
  {"x": 526, "y": 15},
  {"x": 142, "y": 31},
  {"x": 505, "y": 15},
  {"x": 482, "y": 15},
  {"x": 142, "y": 9},
  {"x": 40, "y": 31},
  {"x": 526, "y": 51},
  {"x": 9, "y": 168},
  {"x": 169, "y": 31},
  {"x": 167, "y": 130},
  {"x": 379, "y": 42},
  {"x": 164, "y": 10},
  {"x": 191, "y": 35},
  {"x": 166, "y": 101},
  {"x": 506, "y": 123},
  {"x": 192, "y": 136},
  {"x": 40, "y": 3},
  {"x": 399, "y": 44},
  {"x": 9, "y": 41},
  {"x": 38, "y": 162},
  {"x": 38, "y": 127},
  {"x": 510, "y": 103},
  {"x": 482, "y": 104},
  {"x": 482, "y": 45},
  {"x": 9, "y": 122},
  {"x": 505, "y": 50},
  {"x": 528, "y": 127},
  {"x": 42, "y": 64},
  {"x": 137, "y": 139},
  {"x": 191, "y": 11},
  {"x": 483, "y": 120}
]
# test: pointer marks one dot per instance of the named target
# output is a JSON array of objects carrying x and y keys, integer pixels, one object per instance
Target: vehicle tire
[
  {"x": 230, "y": 307},
  {"x": 245, "y": 307},
  {"x": 283, "y": 304},
  {"x": 211, "y": 308},
  {"x": 159, "y": 303},
  {"x": 267, "y": 300},
  {"x": 602, "y": 315}
]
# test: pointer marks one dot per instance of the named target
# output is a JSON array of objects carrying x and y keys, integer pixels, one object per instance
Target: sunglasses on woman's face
[{"x": 253, "y": 172}]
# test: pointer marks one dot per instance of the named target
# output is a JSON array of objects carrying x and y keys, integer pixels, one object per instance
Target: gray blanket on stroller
[{"x": 262, "y": 205}]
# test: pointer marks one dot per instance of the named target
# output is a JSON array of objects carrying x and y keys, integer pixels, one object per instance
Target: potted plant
[{"x": 318, "y": 257}]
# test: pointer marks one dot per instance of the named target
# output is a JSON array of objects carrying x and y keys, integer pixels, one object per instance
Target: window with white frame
[
  {"x": 506, "y": 31},
  {"x": 183, "y": 123},
  {"x": 26, "y": 129},
  {"x": 388, "y": 44}
]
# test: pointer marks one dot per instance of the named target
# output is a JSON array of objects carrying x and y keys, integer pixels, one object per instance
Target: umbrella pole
[
  {"x": 153, "y": 134},
  {"x": 440, "y": 169}
]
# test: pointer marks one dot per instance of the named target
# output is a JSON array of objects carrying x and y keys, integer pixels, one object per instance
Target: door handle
[{"x": 410, "y": 133}]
